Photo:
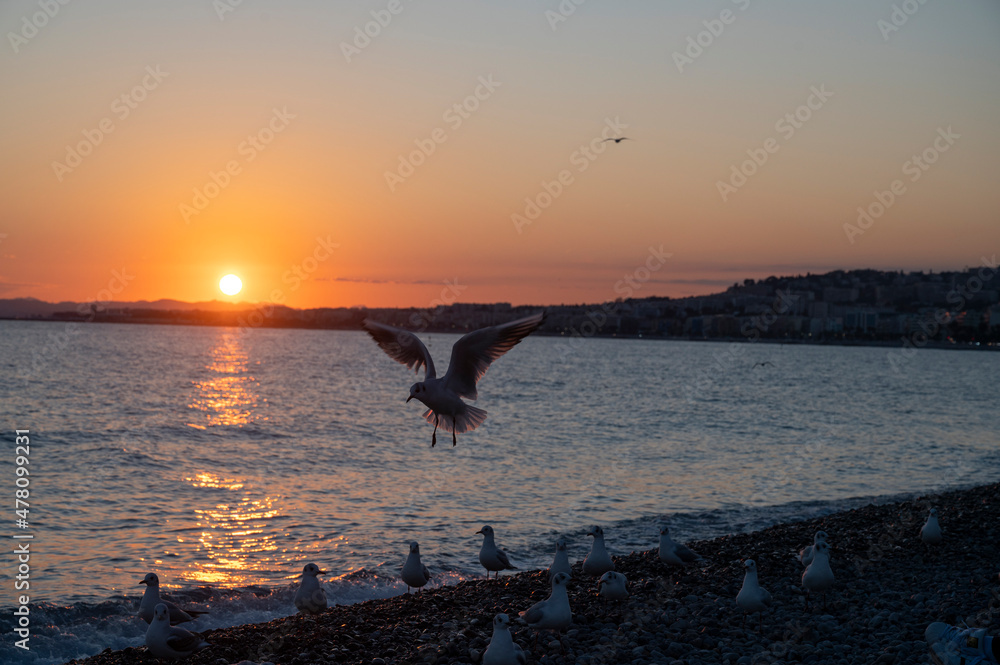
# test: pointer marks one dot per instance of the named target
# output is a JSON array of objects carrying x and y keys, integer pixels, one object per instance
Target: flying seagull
[
  {"x": 766, "y": 363},
  {"x": 618, "y": 140},
  {"x": 470, "y": 358}
]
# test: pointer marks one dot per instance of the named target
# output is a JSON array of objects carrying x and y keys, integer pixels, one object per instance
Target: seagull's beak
[
  {"x": 480, "y": 531},
  {"x": 142, "y": 582},
  {"x": 322, "y": 572},
  {"x": 409, "y": 398}
]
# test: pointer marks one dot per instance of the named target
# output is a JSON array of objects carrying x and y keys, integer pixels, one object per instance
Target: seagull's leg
[
  {"x": 454, "y": 428},
  {"x": 434, "y": 436}
]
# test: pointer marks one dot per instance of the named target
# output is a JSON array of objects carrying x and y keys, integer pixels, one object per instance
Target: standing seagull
[
  {"x": 818, "y": 576},
  {"x": 930, "y": 532},
  {"x": 560, "y": 564},
  {"x": 414, "y": 573},
  {"x": 618, "y": 140},
  {"x": 502, "y": 649},
  {"x": 151, "y": 598},
  {"x": 752, "y": 597},
  {"x": 553, "y": 613},
  {"x": 598, "y": 561},
  {"x": 470, "y": 358},
  {"x": 310, "y": 598},
  {"x": 492, "y": 557},
  {"x": 613, "y": 586},
  {"x": 806, "y": 553},
  {"x": 674, "y": 553},
  {"x": 168, "y": 642}
]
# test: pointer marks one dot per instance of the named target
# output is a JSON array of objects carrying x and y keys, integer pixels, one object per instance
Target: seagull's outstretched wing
[
  {"x": 471, "y": 356},
  {"x": 402, "y": 346}
]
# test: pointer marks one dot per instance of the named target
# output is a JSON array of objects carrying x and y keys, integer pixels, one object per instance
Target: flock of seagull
[
  {"x": 165, "y": 640},
  {"x": 471, "y": 356}
]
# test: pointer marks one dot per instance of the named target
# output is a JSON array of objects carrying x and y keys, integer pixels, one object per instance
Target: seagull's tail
[{"x": 463, "y": 422}]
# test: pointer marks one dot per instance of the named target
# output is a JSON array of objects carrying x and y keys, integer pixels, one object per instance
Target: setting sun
[{"x": 230, "y": 285}]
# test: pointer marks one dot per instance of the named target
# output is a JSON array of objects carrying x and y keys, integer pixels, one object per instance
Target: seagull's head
[
  {"x": 821, "y": 547},
  {"x": 161, "y": 613},
  {"x": 417, "y": 390},
  {"x": 933, "y": 512},
  {"x": 486, "y": 530},
  {"x": 151, "y": 580},
  {"x": 664, "y": 530},
  {"x": 750, "y": 564},
  {"x": 312, "y": 570},
  {"x": 595, "y": 531},
  {"x": 561, "y": 545},
  {"x": 414, "y": 548},
  {"x": 561, "y": 579},
  {"x": 820, "y": 537},
  {"x": 501, "y": 621}
]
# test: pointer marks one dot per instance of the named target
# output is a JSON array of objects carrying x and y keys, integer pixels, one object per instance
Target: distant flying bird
[
  {"x": 310, "y": 598},
  {"x": 471, "y": 356},
  {"x": 168, "y": 642},
  {"x": 151, "y": 598},
  {"x": 766, "y": 363},
  {"x": 618, "y": 140}
]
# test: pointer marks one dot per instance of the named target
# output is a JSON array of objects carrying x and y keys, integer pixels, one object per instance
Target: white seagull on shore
[
  {"x": 598, "y": 561},
  {"x": 806, "y": 553},
  {"x": 168, "y": 642},
  {"x": 560, "y": 564},
  {"x": 672, "y": 553},
  {"x": 414, "y": 573},
  {"x": 492, "y": 557},
  {"x": 502, "y": 649},
  {"x": 613, "y": 586},
  {"x": 930, "y": 532},
  {"x": 151, "y": 598},
  {"x": 553, "y": 613},
  {"x": 311, "y": 598},
  {"x": 471, "y": 356},
  {"x": 752, "y": 597},
  {"x": 818, "y": 576}
]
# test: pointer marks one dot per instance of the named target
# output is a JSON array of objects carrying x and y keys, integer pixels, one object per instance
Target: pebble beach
[{"x": 889, "y": 587}]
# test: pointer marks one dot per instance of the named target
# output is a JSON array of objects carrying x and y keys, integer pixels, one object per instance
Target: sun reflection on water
[
  {"x": 237, "y": 540},
  {"x": 229, "y": 395}
]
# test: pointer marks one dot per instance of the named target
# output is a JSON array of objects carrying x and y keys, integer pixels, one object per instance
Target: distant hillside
[{"x": 16, "y": 308}]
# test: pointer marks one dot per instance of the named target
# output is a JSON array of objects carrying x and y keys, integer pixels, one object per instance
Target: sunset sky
[{"x": 175, "y": 142}]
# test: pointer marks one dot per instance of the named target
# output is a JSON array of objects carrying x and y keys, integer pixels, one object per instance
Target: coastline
[
  {"x": 889, "y": 587},
  {"x": 902, "y": 343}
]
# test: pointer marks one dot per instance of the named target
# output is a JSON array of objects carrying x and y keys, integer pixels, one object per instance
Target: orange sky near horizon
[{"x": 249, "y": 143}]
